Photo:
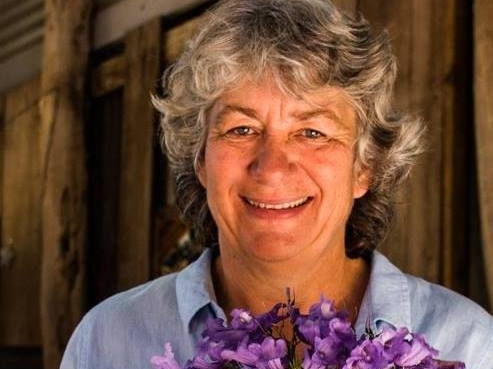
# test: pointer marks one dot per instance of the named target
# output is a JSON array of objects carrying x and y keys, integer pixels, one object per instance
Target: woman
[{"x": 278, "y": 123}]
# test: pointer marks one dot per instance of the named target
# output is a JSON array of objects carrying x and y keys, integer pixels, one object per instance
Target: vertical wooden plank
[
  {"x": 408, "y": 241},
  {"x": 142, "y": 52},
  {"x": 456, "y": 135},
  {"x": 483, "y": 108},
  {"x": 20, "y": 277},
  {"x": 348, "y": 6},
  {"x": 168, "y": 227},
  {"x": 174, "y": 39},
  {"x": 103, "y": 145},
  {"x": 422, "y": 34},
  {"x": 2, "y": 127},
  {"x": 63, "y": 172}
]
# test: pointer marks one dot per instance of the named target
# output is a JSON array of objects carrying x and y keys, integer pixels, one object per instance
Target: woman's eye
[
  {"x": 241, "y": 131},
  {"x": 312, "y": 133}
]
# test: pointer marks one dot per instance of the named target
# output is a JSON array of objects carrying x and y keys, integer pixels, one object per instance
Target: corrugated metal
[
  {"x": 21, "y": 26},
  {"x": 21, "y": 30}
]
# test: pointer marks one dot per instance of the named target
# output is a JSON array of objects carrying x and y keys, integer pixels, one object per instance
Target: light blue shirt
[{"x": 126, "y": 330}]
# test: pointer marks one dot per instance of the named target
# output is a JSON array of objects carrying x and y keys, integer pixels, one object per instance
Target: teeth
[{"x": 287, "y": 205}]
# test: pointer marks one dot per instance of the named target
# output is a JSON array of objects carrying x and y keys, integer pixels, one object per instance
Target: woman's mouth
[{"x": 278, "y": 206}]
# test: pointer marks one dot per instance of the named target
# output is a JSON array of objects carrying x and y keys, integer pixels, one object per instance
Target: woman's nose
[{"x": 272, "y": 160}]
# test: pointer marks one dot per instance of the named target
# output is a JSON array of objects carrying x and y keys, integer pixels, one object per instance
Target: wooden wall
[
  {"x": 63, "y": 182},
  {"x": 20, "y": 190},
  {"x": 132, "y": 223},
  {"x": 429, "y": 238},
  {"x": 436, "y": 233},
  {"x": 483, "y": 108}
]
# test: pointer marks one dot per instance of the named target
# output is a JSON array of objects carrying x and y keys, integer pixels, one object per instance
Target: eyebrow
[
  {"x": 231, "y": 109},
  {"x": 304, "y": 115}
]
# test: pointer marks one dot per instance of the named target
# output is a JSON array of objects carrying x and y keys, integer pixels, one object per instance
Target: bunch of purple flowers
[{"x": 329, "y": 341}]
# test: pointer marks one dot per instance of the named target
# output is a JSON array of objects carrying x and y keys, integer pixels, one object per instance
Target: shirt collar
[
  {"x": 195, "y": 290},
  {"x": 386, "y": 299}
]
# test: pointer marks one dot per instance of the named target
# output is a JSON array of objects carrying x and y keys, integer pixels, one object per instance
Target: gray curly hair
[{"x": 306, "y": 45}]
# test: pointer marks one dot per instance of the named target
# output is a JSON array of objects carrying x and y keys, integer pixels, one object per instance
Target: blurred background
[{"x": 86, "y": 198}]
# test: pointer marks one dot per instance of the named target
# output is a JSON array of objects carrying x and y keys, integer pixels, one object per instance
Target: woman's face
[{"x": 280, "y": 171}]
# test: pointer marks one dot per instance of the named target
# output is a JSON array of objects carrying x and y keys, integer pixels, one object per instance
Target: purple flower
[
  {"x": 243, "y": 320},
  {"x": 217, "y": 331},
  {"x": 268, "y": 320},
  {"x": 418, "y": 355},
  {"x": 307, "y": 329},
  {"x": 243, "y": 355},
  {"x": 367, "y": 354},
  {"x": 167, "y": 361},
  {"x": 325, "y": 352},
  {"x": 269, "y": 354},
  {"x": 405, "y": 349},
  {"x": 257, "y": 342},
  {"x": 212, "y": 349},
  {"x": 208, "y": 357},
  {"x": 393, "y": 341},
  {"x": 328, "y": 333}
]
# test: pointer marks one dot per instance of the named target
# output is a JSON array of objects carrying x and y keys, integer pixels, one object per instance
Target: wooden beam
[
  {"x": 175, "y": 38},
  {"x": 142, "y": 50},
  {"x": 423, "y": 34},
  {"x": 63, "y": 173},
  {"x": 483, "y": 107},
  {"x": 108, "y": 76},
  {"x": 20, "y": 250}
]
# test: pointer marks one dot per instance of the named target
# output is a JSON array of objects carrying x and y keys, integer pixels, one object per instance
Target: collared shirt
[{"x": 126, "y": 330}]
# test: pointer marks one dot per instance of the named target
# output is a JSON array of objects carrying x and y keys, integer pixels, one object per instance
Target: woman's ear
[
  {"x": 201, "y": 173},
  {"x": 362, "y": 182}
]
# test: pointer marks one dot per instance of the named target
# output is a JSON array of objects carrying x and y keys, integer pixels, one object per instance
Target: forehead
[{"x": 264, "y": 96}]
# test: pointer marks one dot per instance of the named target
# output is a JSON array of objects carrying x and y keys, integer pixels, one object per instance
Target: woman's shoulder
[
  {"x": 124, "y": 311},
  {"x": 152, "y": 293},
  {"x": 458, "y": 327},
  {"x": 433, "y": 301},
  {"x": 455, "y": 325},
  {"x": 422, "y": 297},
  {"x": 110, "y": 331},
  {"x": 164, "y": 294}
]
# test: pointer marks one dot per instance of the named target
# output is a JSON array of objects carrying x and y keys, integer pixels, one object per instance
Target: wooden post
[
  {"x": 20, "y": 247},
  {"x": 483, "y": 103},
  {"x": 63, "y": 173},
  {"x": 142, "y": 52},
  {"x": 427, "y": 239}
]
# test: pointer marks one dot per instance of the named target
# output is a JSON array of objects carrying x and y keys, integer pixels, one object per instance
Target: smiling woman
[
  {"x": 315, "y": 52},
  {"x": 279, "y": 125},
  {"x": 275, "y": 166}
]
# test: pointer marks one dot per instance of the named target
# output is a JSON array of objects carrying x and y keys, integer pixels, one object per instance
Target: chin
[{"x": 274, "y": 249}]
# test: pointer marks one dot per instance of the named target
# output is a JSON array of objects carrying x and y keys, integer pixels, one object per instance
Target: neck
[{"x": 259, "y": 285}]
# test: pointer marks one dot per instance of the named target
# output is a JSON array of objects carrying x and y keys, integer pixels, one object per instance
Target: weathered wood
[
  {"x": 483, "y": 104},
  {"x": 2, "y": 126},
  {"x": 175, "y": 38},
  {"x": 103, "y": 144},
  {"x": 20, "y": 276},
  {"x": 456, "y": 134},
  {"x": 349, "y": 6},
  {"x": 422, "y": 35},
  {"x": 142, "y": 50},
  {"x": 168, "y": 227},
  {"x": 108, "y": 76},
  {"x": 63, "y": 173}
]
